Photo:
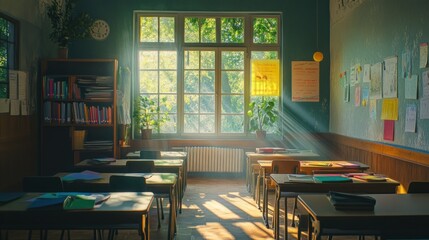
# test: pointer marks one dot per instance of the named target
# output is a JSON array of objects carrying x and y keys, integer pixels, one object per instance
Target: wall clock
[{"x": 100, "y": 30}]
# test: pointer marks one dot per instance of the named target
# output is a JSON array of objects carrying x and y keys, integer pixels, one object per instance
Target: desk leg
[
  {"x": 145, "y": 235},
  {"x": 276, "y": 215},
  {"x": 172, "y": 217},
  {"x": 248, "y": 173},
  {"x": 265, "y": 205}
]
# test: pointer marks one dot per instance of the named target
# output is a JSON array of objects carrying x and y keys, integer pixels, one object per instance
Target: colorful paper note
[
  {"x": 389, "y": 109},
  {"x": 389, "y": 130}
]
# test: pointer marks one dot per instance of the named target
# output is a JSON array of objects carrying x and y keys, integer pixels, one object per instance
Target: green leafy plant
[
  {"x": 147, "y": 115},
  {"x": 263, "y": 114},
  {"x": 66, "y": 24}
]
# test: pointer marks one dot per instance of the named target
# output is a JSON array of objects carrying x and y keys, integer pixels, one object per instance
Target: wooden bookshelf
[{"x": 78, "y": 112}]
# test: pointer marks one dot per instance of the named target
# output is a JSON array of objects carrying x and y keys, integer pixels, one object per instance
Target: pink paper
[{"x": 389, "y": 129}]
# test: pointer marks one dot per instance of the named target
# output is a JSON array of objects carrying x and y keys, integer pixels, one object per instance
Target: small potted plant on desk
[
  {"x": 147, "y": 115},
  {"x": 263, "y": 115},
  {"x": 67, "y": 25}
]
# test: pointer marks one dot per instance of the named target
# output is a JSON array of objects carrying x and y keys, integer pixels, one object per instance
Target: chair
[
  {"x": 148, "y": 167},
  {"x": 280, "y": 166},
  {"x": 43, "y": 184},
  {"x": 150, "y": 154},
  {"x": 418, "y": 187}
]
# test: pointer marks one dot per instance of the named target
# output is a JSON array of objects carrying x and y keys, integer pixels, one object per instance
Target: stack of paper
[{"x": 345, "y": 201}]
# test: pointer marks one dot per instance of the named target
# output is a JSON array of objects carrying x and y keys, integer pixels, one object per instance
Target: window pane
[
  {"x": 207, "y": 59},
  {"x": 191, "y": 81},
  {"x": 192, "y": 30},
  {"x": 207, "y": 124},
  {"x": 148, "y": 29},
  {"x": 207, "y": 104},
  {"x": 191, "y": 123},
  {"x": 233, "y": 60},
  {"x": 3, "y": 90},
  {"x": 170, "y": 105},
  {"x": 233, "y": 82},
  {"x": 232, "y": 30},
  {"x": 264, "y": 55},
  {"x": 232, "y": 124},
  {"x": 191, "y": 103},
  {"x": 148, "y": 59},
  {"x": 265, "y": 30},
  {"x": 166, "y": 33},
  {"x": 208, "y": 30},
  {"x": 207, "y": 81},
  {"x": 168, "y": 81},
  {"x": 3, "y": 75},
  {"x": 192, "y": 60},
  {"x": 232, "y": 104},
  {"x": 170, "y": 126},
  {"x": 3, "y": 54},
  {"x": 148, "y": 81},
  {"x": 167, "y": 60}
]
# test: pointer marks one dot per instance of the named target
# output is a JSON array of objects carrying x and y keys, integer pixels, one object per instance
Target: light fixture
[{"x": 318, "y": 55}]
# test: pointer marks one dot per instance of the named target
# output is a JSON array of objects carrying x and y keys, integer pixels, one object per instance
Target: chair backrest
[
  {"x": 418, "y": 187},
  {"x": 334, "y": 171},
  {"x": 285, "y": 166},
  {"x": 150, "y": 154},
  {"x": 119, "y": 183},
  {"x": 42, "y": 184},
  {"x": 140, "y": 166}
]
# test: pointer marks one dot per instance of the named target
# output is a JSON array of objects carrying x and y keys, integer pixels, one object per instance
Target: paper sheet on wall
[
  {"x": 22, "y": 85},
  {"x": 365, "y": 95},
  {"x": 375, "y": 89},
  {"x": 389, "y": 130},
  {"x": 410, "y": 118},
  {"x": 4, "y": 105},
  {"x": 13, "y": 84},
  {"x": 373, "y": 109},
  {"x": 305, "y": 81},
  {"x": 357, "y": 96},
  {"x": 411, "y": 87},
  {"x": 389, "y": 109},
  {"x": 14, "y": 107},
  {"x": 425, "y": 83},
  {"x": 424, "y": 108},
  {"x": 353, "y": 76},
  {"x": 366, "y": 73},
  {"x": 25, "y": 108},
  {"x": 390, "y": 77},
  {"x": 423, "y": 55}
]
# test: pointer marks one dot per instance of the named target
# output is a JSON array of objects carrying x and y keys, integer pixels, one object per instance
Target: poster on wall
[
  {"x": 305, "y": 81},
  {"x": 265, "y": 77},
  {"x": 411, "y": 118},
  {"x": 375, "y": 87},
  {"x": 390, "y": 77}
]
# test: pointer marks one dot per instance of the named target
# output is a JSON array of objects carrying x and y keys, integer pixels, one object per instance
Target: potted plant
[
  {"x": 263, "y": 114},
  {"x": 66, "y": 24},
  {"x": 147, "y": 115}
]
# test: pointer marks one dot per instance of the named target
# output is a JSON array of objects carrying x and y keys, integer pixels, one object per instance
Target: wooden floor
[{"x": 212, "y": 209}]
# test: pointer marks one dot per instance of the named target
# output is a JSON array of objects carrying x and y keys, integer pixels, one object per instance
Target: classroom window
[
  {"x": 8, "y": 52},
  {"x": 201, "y": 64}
]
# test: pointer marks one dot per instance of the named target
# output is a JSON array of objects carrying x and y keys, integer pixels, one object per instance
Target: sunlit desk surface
[
  {"x": 124, "y": 208},
  {"x": 402, "y": 216},
  {"x": 283, "y": 184},
  {"x": 158, "y": 183},
  {"x": 164, "y": 155}
]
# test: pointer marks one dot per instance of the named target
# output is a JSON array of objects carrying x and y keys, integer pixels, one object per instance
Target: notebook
[
  {"x": 331, "y": 179},
  {"x": 346, "y": 201}
]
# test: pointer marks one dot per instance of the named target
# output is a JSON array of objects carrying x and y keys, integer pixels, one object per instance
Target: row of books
[
  {"x": 85, "y": 88},
  {"x": 76, "y": 112}
]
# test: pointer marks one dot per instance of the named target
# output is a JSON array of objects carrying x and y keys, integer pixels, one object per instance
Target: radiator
[{"x": 215, "y": 159}]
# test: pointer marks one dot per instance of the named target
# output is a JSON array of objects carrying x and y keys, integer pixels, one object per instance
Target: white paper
[
  {"x": 24, "y": 108},
  {"x": 366, "y": 73},
  {"x": 424, "y": 108},
  {"x": 14, "y": 107},
  {"x": 410, "y": 118},
  {"x": 411, "y": 87},
  {"x": 423, "y": 55},
  {"x": 390, "y": 78},
  {"x": 373, "y": 109},
  {"x": 425, "y": 83},
  {"x": 353, "y": 76},
  {"x": 375, "y": 89},
  {"x": 22, "y": 85},
  {"x": 13, "y": 84},
  {"x": 4, "y": 105}
]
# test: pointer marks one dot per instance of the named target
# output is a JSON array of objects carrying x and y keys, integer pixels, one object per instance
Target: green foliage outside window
[{"x": 265, "y": 30}]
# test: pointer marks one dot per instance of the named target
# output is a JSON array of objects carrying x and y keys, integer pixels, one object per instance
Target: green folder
[
  {"x": 331, "y": 179},
  {"x": 79, "y": 202}
]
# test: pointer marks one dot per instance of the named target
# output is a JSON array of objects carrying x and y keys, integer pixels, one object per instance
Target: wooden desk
[
  {"x": 161, "y": 166},
  {"x": 252, "y": 158},
  {"x": 169, "y": 155},
  {"x": 158, "y": 183},
  {"x": 283, "y": 184},
  {"x": 395, "y": 215},
  {"x": 306, "y": 167},
  {"x": 125, "y": 208}
]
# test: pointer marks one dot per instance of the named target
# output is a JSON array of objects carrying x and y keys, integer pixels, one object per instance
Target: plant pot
[
  {"x": 146, "y": 133},
  {"x": 63, "y": 52},
  {"x": 261, "y": 134}
]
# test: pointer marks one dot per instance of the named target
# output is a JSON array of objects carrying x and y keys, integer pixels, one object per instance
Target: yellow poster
[
  {"x": 305, "y": 81},
  {"x": 389, "y": 109},
  {"x": 265, "y": 78}
]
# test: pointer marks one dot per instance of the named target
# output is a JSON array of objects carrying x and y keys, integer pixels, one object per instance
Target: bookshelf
[{"x": 78, "y": 112}]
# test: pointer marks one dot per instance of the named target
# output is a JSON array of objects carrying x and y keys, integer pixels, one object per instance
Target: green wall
[
  {"x": 299, "y": 41},
  {"x": 367, "y": 34}
]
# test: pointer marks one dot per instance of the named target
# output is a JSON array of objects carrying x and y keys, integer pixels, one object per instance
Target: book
[
  {"x": 331, "y": 179},
  {"x": 300, "y": 178},
  {"x": 318, "y": 164},
  {"x": 84, "y": 201},
  {"x": 346, "y": 201},
  {"x": 371, "y": 178}
]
